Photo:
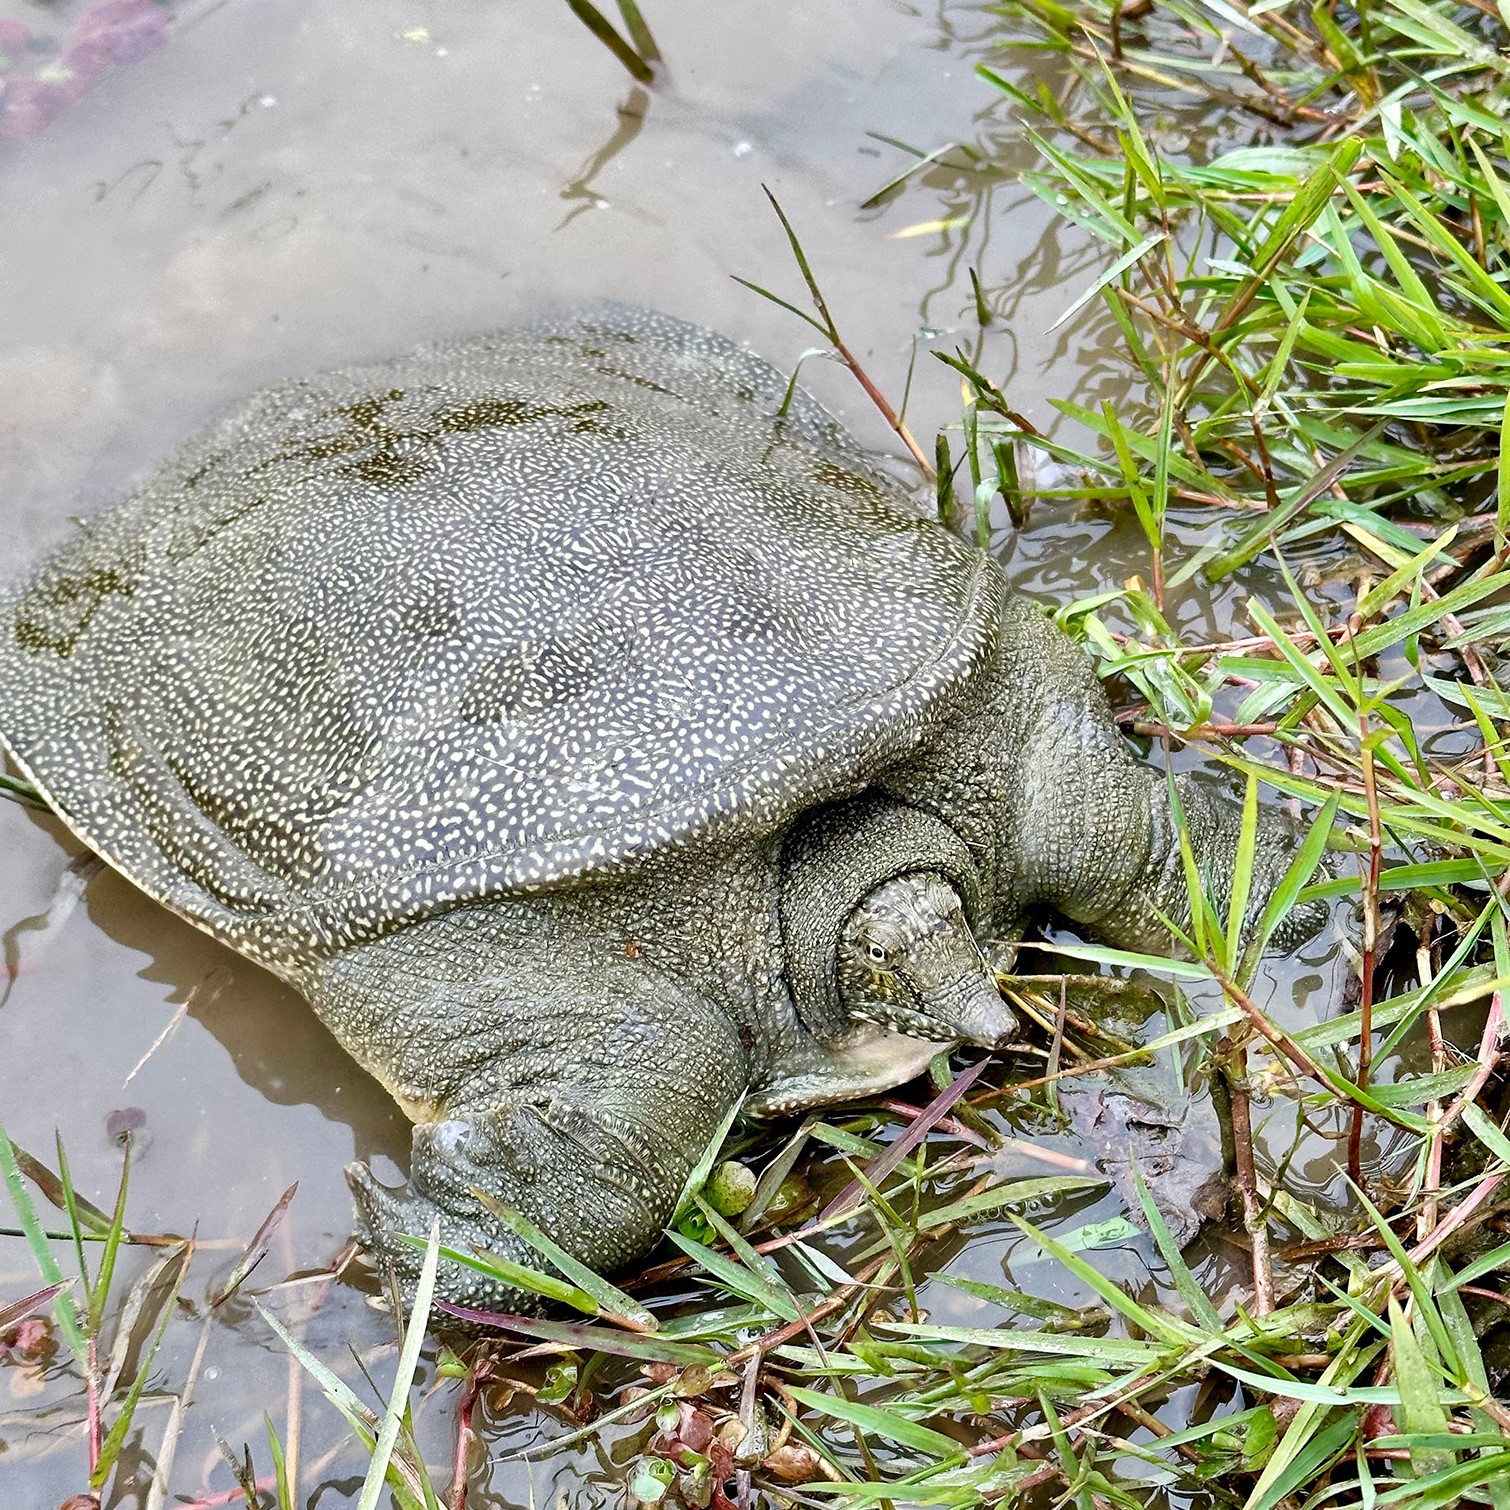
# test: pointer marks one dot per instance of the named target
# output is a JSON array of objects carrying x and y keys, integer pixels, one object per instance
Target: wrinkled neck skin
[{"x": 1036, "y": 778}]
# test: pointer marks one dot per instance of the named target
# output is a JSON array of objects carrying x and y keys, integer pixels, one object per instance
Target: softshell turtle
[{"x": 592, "y": 748}]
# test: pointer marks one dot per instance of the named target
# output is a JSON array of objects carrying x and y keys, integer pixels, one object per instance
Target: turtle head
[
  {"x": 879, "y": 905},
  {"x": 908, "y": 960}
]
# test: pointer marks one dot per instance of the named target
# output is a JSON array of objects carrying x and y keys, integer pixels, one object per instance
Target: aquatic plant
[{"x": 638, "y": 53}]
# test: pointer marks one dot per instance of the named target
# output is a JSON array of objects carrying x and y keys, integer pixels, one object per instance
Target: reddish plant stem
[
  {"x": 879, "y": 399},
  {"x": 1370, "y": 945},
  {"x": 1429, "y": 1213},
  {"x": 94, "y": 1407},
  {"x": 1484, "y": 1294},
  {"x": 1250, "y": 642},
  {"x": 1213, "y": 730},
  {"x": 1029, "y": 1150},
  {"x": 1035, "y": 1480},
  {"x": 830, "y": 328},
  {"x": 1152, "y": 1424},
  {"x": 1491, "y": 1046},
  {"x": 1234, "y": 1061},
  {"x": 229, "y": 1496},
  {"x": 1454, "y": 1219},
  {"x": 950, "y": 1125},
  {"x": 1275, "y": 1037},
  {"x": 826, "y": 1307},
  {"x": 477, "y": 1375},
  {"x": 1073, "y": 1419}
]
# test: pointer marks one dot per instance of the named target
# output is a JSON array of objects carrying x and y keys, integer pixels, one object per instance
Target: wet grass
[{"x": 1316, "y": 308}]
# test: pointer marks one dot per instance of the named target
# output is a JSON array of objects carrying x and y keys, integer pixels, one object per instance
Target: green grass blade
[
  {"x": 734, "y": 1276},
  {"x": 1242, "y": 871},
  {"x": 1421, "y": 1412},
  {"x": 520, "y": 1276},
  {"x": 41, "y": 1252},
  {"x": 1299, "y": 872},
  {"x": 398, "y": 1399},
  {"x": 115, "y": 1438},
  {"x": 704, "y": 1166},
  {"x": 282, "y": 1493},
  {"x": 892, "y": 1425},
  {"x": 335, "y": 1389},
  {"x": 71, "y": 1207},
  {"x": 101, "y": 1291},
  {"x": 612, "y": 1301},
  {"x": 639, "y": 32},
  {"x": 1115, "y": 271},
  {"x": 1169, "y": 1331},
  {"x": 1191, "y": 1293},
  {"x": 598, "y": 24}
]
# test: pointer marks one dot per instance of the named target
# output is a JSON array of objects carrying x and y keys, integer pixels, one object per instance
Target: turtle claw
[
  {"x": 384, "y": 1218},
  {"x": 395, "y": 1225}
]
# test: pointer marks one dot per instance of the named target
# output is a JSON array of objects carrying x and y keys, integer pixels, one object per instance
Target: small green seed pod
[{"x": 730, "y": 1188}]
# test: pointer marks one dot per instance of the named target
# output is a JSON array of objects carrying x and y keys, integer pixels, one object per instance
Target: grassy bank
[{"x": 1305, "y": 213}]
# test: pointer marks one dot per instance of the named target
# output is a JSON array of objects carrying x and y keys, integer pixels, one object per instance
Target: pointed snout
[{"x": 975, "y": 1010}]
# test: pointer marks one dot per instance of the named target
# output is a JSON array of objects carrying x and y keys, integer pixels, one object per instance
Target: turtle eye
[{"x": 876, "y": 952}]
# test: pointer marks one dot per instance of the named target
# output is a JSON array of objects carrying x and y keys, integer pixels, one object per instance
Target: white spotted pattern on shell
[{"x": 495, "y": 615}]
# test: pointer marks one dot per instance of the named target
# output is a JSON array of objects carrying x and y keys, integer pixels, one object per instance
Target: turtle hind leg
[{"x": 550, "y": 1073}]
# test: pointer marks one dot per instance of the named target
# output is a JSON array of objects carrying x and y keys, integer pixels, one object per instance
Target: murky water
[{"x": 285, "y": 186}]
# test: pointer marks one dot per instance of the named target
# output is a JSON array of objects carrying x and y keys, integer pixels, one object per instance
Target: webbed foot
[
  {"x": 597, "y": 1183},
  {"x": 394, "y": 1227}
]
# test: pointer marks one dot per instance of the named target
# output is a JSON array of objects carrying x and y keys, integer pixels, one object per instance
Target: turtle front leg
[
  {"x": 867, "y": 1061},
  {"x": 552, "y": 1074},
  {"x": 597, "y": 1168}
]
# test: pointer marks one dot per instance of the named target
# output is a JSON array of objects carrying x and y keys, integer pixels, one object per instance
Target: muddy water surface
[{"x": 284, "y": 186}]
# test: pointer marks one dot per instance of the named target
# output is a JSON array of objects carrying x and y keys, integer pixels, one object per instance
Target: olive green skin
[{"x": 477, "y": 695}]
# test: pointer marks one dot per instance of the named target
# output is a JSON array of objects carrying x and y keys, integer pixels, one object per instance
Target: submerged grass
[{"x": 1316, "y": 308}]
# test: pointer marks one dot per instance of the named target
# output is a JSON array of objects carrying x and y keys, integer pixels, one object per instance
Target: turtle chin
[
  {"x": 915, "y": 1024},
  {"x": 981, "y": 1019}
]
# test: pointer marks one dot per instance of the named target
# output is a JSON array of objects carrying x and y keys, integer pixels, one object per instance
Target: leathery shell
[{"x": 500, "y": 614}]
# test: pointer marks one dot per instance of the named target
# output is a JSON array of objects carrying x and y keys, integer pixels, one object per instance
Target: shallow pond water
[{"x": 284, "y": 186}]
